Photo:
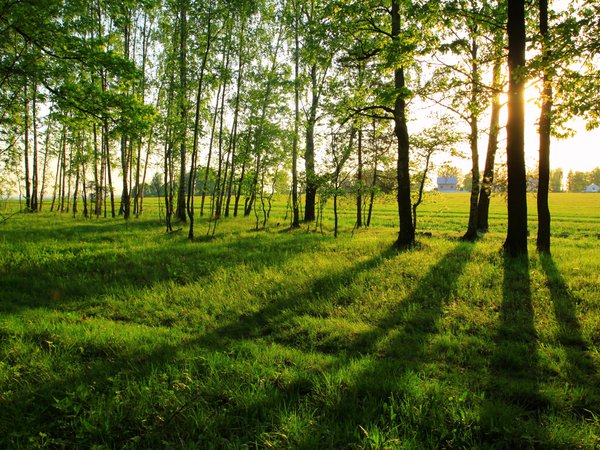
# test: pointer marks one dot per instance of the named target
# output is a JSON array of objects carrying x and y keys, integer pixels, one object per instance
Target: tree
[
  {"x": 577, "y": 181},
  {"x": 545, "y": 126},
  {"x": 497, "y": 86},
  {"x": 556, "y": 180},
  {"x": 516, "y": 238}
]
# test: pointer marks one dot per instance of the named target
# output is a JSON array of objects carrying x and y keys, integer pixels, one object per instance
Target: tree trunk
[
  {"x": 485, "y": 192},
  {"x": 34, "y": 166},
  {"x": 45, "y": 165},
  {"x": 181, "y": 196},
  {"x": 543, "y": 236},
  {"x": 295, "y": 206},
  {"x": 359, "y": 180},
  {"x": 26, "y": 148},
  {"x": 516, "y": 237},
  {"x": 471, "y": 233},
  {"x": 210, "y": 147},
  {"x": 309, "y": 154},
  {"x": 194, "y": 158},
  {"x": 236, "y": 114},
  {"x": 406, "y": 234}
]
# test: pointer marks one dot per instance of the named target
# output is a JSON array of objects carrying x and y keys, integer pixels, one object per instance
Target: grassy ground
[{"x": 117, "y": 335}]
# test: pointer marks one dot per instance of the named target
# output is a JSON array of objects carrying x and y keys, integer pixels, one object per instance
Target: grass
[{"x": 117, "y": 335}]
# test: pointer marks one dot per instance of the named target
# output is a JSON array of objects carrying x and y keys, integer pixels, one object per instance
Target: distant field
[{"x": 115, "y": 334}]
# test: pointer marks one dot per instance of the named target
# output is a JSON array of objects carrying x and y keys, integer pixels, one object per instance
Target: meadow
[{"x": 115, "y": 334}]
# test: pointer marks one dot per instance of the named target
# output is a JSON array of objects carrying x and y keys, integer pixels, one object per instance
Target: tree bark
[
  {"x": 406, "y": 234},
  {"x": 26, "y": 147},
  {"x": 485, "y": 192},
  {"x": 471, "y": 233},
  {"x": 309, "y": 153},
  {"x": 516, "y": 237},
  {"x": 359, "y": 179},
  {"x": 295, "y": 206},
  {"x": 183, "y": 35},
  {"x": 543, "y": 235}
]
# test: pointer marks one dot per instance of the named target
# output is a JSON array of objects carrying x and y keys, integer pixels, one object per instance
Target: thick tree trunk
[
  {"x": 309, "y": 153},
  {"x": 543, "y": 236},
  {"x": 516, "y": 237},
  {"x": 406, "y": 234}
]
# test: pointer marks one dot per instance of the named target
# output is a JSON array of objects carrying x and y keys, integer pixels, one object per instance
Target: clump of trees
[
  {"x": 219, "y": 98},
  {"x": 577, "y": 181}
]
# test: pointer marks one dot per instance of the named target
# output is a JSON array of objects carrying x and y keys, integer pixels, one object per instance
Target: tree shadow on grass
[
  {"x": 388, "y": 361},
  {"x": 513, "y": 398},
  {"x": 380, "y": 358},
  {"x": 71, "y": 274},
  {"x": 581, "y": 370}
]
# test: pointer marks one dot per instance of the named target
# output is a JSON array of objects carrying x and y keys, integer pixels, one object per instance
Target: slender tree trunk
[
  {"x": 295, "y": 137},
  {"x": 232, "y": 152},
  {"x": 485, "y": 192},
  {"x": 181, "y": 196},
  {"x": 63, "y": 175},
  {"x": 406, "y": 234},
  {"x": 125, "y": 204},
  {"x": 57, "y": 182},
  {"x": 471, "y": 233},
  {"x": 34, "y": 169},
  {"x": 239, "y": 190},
  {"x": 98, "y": 174},
  {"x": 69, "y": 176},
  {"x": 210, "y": 148},
  {"x": 543, "y": 235},
  {"x": 77, "y": 169},
  {"x": 26, "y": 147},
  {"x": 374, "y": 180},
  {"x": 84, "y": 191},
  {"x": 516, "y": 237},
  {"x": 111, "y": 191},
  {"x": 194, "y": 157},
  {"x": 359, "y": 180},
  {"x": 421, "y": 189},
  {"x": 216, "y": 206},
  {"x": 236, "y": 113},
  {"x": 45, "y": 165}
]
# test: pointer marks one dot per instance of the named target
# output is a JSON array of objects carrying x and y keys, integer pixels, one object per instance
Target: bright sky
[{"x": 578, "y": 153}]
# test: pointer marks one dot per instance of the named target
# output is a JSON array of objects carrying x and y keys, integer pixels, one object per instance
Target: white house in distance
[
  {"x": 592, "y": 188},
  {"x": 447, "y": 184}
]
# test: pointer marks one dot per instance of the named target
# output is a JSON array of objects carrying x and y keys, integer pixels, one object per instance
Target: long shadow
[
  {"x": 581, "y": 371},
  {"x": 267, "y": 320},
  {"x": 42, "y": 404},
  {"x": 396, "y": 349},
  {"x": 394, "y": 345},
  {"x": 513, "y": 397},
  {"x": 73, "y": 275}
]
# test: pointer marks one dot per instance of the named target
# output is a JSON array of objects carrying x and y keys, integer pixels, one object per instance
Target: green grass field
[{"x": 115, "y": 334}]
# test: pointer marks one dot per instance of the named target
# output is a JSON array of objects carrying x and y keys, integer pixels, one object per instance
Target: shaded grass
[{"x": 117, "y": 335}]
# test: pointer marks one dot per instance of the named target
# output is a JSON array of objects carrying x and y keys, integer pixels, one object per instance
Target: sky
[{"x": 578, "y": 153}]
